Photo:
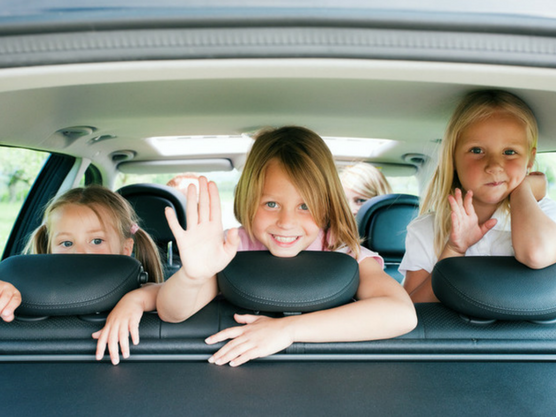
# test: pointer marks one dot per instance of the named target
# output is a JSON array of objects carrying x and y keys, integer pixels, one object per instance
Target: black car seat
[
  {"x": 382, "y": 222},
  {"x": 149, "y": 202}
]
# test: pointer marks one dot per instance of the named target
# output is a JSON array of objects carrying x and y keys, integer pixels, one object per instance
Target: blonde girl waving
[
  {"x": 483, "y": 200},
  {"x": 289, "y": 199}
]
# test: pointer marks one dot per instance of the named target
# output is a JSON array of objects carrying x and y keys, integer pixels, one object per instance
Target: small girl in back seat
[
  {"x": 96, "y": 220},
  {"x": 289, "y": 199},
  {"x": 488, "y": 150}
]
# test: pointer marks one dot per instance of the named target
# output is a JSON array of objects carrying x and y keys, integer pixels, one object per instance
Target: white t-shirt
[{"x": 419, "y": 243}]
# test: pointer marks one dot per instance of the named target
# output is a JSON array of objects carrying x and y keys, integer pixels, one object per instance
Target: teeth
[{"x": 284, "y": 239}]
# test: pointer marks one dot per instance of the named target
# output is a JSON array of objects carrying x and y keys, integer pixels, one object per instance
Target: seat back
[
  {"x": 382, "y": 222},
  {"x": 149, "y": 202}
]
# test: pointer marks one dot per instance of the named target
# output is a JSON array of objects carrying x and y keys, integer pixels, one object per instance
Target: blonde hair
[
  {"x": 475, "y": 106},
  {"x": 309, "y": 164},
  {"x": 365, "y": 180},
  {"x": 122, "y": 216}
]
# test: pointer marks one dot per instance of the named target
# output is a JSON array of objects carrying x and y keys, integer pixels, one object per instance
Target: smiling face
[
  {"x": 491, "y": 158},
  {"x": 74, "y": 228},
  {"x": 283, "y": 222}
]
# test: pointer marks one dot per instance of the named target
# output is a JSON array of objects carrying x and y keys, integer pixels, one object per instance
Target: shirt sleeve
[
  {"x": 419, "y": 246},
  {"x": 548, "y": 206}
]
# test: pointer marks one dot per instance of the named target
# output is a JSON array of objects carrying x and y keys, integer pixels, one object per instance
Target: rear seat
[
  {"x": 149, "y": 202},
  {"x": 440, "y": 330},
  {"x": 382, "y": 222}
]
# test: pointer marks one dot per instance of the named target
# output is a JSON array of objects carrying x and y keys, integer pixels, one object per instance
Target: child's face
[
  {"x": 77, "y": 229},
  {"x": 283, "y": 223},
  {"x": 491, "y": 158},
  {"x": 355, "y": 200}
]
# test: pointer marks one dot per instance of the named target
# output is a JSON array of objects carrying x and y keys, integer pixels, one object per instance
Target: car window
[
  {"x": 225, "y": 180},
  {"x": 545, "y": 162},
  {"x": 18, "y": 170},
  {"x": 404, "y": 185}
]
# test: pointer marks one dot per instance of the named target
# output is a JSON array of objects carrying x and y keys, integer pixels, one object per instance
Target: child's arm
[
  {"x": 203, "y": 252},
  {"x": 532, "y": 230},
  {"x": 466, "y": 231},
  {"x": 383, "y": 310},
  {"x": 10, "y": 299},
  {"x": 123, "y": 321}
]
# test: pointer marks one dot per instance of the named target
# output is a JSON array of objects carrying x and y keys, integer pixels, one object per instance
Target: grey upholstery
[
  {"x": 149, "y": 202},
  {"x": 382, "y": 222}
]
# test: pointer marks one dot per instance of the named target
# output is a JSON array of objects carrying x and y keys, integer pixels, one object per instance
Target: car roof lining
[{"x": 357, "y": 98}]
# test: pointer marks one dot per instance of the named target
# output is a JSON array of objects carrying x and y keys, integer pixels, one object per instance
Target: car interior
[{"x": 129, "y": 107}]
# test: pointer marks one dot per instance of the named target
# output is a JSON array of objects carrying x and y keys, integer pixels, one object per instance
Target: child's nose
[
  {"x": 78, "y": 248},
  {"x": 494, "y": 163},
  {"x": 286, "y": 219}
]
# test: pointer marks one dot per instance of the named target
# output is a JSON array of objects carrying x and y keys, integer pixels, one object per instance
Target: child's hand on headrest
[{"x": 10, "y": 299}]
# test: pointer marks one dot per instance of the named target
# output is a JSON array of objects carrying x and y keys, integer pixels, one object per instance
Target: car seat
[
  {"x": 149, "y": 202},
  {"x": 382, "y": 222}
]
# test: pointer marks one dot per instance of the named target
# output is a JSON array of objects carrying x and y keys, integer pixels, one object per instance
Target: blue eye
[
  {"x": 97, "y": 241},
  {"x": 271, "y": 204},
  {"x": 66, "y": 244},
  {"x": 304, "y": 207},
  {"x": 510, "y": 152},
  {"x": 360, "y": 201},
  {"x": 476, "y": 150}
]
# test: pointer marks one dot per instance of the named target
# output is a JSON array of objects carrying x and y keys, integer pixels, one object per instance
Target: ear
[
  {"x": 532, "y": 158},
  {"x": 128, "y": 247}
]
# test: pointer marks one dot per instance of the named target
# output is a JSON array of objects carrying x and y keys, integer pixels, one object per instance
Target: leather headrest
[
  {"x": 57, "y": 285},
  {"x": 310, "y": 281},
  {"x": 496, "y": 287}
]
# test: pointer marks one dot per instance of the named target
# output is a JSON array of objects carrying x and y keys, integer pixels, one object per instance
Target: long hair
[
  {"x": 309, "y": 164},
  {"x": 108, "y": 206},
  {"x": 365, "y": 180},
  {"x": 476, "y": 106}
]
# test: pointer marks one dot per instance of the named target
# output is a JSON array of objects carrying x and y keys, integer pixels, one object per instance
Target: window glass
[
  {"x": 225, "y": 180},
  {"x": 18, "y": 170},
  {"x": 404, "y": 185},
  {"x": 546, "y": 162}
]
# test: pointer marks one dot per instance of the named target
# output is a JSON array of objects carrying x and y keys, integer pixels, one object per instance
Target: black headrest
[
  {"x": 71, "y": 284},
  {"x": 382, "y": 222},
  {"x": 308, "y": 282},
  {"x": 496, "y": 287},
  {"x": 149, "y": 202}
]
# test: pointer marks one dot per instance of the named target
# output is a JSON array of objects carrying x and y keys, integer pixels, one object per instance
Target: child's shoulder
[{"x": 422, "y": 222}]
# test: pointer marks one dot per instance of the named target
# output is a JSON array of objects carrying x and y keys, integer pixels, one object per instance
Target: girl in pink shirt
[{"x": 289, "y": 199}]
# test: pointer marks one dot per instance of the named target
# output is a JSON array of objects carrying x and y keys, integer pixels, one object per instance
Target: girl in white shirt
[{"x": 482, "y": 199}]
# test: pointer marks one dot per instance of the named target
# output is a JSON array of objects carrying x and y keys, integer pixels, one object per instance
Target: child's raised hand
[
  {"x": 122, "y": 322},
  {"x": 203, "y": 251},
  {"x": 260, "y": 336},
  {"x": 466, "y": 230},
  {"x": 10, "y": 299}
]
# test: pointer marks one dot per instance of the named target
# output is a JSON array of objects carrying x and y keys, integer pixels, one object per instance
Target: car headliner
[{"x": 353, "y": 72}]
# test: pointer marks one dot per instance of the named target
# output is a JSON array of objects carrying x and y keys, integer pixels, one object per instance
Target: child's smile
[{"x": 283, "y": 222}]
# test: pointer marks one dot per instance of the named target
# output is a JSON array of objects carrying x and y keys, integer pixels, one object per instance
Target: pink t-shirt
[{"x": 247, "y": 244}]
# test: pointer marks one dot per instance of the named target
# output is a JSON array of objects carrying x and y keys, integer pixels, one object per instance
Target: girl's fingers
[
  {"x": 204, "y": 201},
  {"x": 215, "y": 208},
  {"x": 231, "y": 354},
  {"x": 468, "y": 203},
  {"x": 124, "y": 342},
  {"x": 173, "y": 222},
  {"x": 229, "y": 333},
  {"x": 191, "y": 210},
  {"x": 101, "y": 335},
  {"x": 134, "y": 332}
]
